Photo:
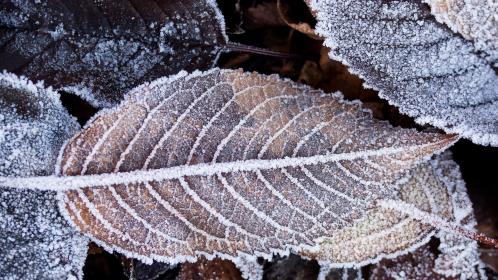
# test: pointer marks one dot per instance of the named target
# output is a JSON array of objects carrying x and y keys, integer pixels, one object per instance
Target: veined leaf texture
[
  {"x": 36, "y": 241},
  {"x": 418, "y": 64},
  {"x": 102, "y": 49},
  {"x": 248, "y": 165}
]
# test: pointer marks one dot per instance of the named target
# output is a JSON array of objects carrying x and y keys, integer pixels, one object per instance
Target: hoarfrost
[
  {"x": 419, "y": 65},
  {"x": 35, "y": 241},
  {"x": 108, "y": 47}
]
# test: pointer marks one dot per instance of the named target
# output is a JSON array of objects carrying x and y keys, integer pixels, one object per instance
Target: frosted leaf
[
  {"x": 475, "y": 20},
  {"x": 417, "y": 64},
  {"x": 225, "y": 163},
  {"x": 35, "y": 240},
  {"x": 101, "y": 49},
  {"x": 387, "y": 233},
  {"x": 458, "y": 257}
]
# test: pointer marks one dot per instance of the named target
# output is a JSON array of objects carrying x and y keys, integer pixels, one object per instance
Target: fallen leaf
[
  {"x": 209, "y": 269},
  {"x": 302, "y": 27},
  {"x": 227, "y": 163},
  {"x": 36, "y": 242},
  {"x": 458, "y": 257},
  {"x": 102, "y": 49},
  {"x": 417, "y": 64}
]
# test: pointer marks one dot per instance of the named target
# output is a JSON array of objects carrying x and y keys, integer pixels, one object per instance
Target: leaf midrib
[{"x": 63, "y": 183}]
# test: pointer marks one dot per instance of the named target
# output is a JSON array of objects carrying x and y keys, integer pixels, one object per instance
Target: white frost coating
[
  {"x": 415, "y": 63},
  {"x": 201, "y": 169},
  {"x": 219, "y": 17},
  {"x": 35, "y": 240},
  {"x": 475, "y": 20},
  {"x": 86, "y": 94}
]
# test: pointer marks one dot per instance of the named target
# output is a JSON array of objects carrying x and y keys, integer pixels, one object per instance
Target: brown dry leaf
[
  {"x": 101, "y": 49},
  {"x": 458, "y": 257},
  {"x": 229, "y": 163},
  {"x": 416, "y": 265},
  {"x": 263, "y": 15},
  {"x": 213, "y": 269},
  {"x": 302, "y": 27}
]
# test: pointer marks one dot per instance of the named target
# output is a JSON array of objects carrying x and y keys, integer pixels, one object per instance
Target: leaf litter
[{"x": 450, "y": 248}]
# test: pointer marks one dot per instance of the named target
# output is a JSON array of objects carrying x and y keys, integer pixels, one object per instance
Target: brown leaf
[
  {"x": 302, "y": 27},
  {"x": 213, "y": 269},
  {"x": 225, "y": 163},
  {"x": 458, "y": 257},
  {"x": 101, "y": 49}
]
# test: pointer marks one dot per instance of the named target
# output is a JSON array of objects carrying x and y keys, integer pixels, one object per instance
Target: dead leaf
[
  {"x": 102, "y": 49},
  {"x": 302, "y": 27},
  {"x": 458, "y": 257},
  {"x": 417, "y": 64},
  {"x": 228, "y": 163},
  {"x": 36, "y": 242},
  {"x": 213, "y": 269}
]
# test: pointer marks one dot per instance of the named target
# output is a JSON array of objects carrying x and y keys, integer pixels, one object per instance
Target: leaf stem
[
  {"x": 436, "y": 221},
  {"x": 237, "y": 47}
]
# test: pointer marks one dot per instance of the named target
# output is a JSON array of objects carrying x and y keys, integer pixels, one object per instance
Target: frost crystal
[
  {"x": 108, "y": 47},
  {"x": 35, "y": 241},
  {"x": 416, "y": 63}
]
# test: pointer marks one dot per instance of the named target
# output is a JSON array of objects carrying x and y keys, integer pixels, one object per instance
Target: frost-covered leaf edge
[{"x": 464, "y": 131}]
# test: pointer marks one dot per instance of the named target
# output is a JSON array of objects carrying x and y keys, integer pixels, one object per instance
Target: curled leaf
[
  {"x": 101, "y": 49},
  {"x": 35, "y": 240},
  {"x": 225, "y": 163},
  {"x": 302, "y": 27},
  {"x": 417, "y": 64}
]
